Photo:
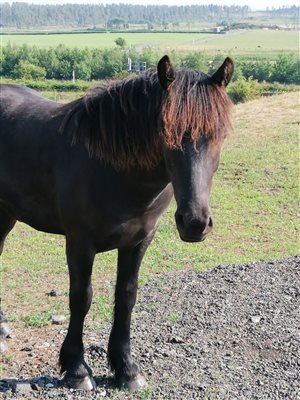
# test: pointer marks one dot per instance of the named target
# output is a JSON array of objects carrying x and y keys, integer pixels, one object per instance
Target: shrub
[
  {"x": 120, "y": 42},
  {"x": 286, "y": 69},
  {"x": 244, "y": 89}
]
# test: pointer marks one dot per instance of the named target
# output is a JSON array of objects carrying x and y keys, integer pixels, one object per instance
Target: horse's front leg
[
  {"x": 80, "y": 257},
  {"x": 127, "y": 372}
]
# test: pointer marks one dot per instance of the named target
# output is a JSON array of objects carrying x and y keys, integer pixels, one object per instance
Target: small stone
[
  {"x": 57, "y": 319},
  {"x": 34, "y": 386},
  {"x": 26, "y": 348},
  {"x": 255, "y": 319},
  {"x": 176, "y": 339},
  {"x": 103, "y": 393},
  {"x": 49, "y": 385},
  {"x": 23, "y": 388},
  {"x": 53, "y": 293}
]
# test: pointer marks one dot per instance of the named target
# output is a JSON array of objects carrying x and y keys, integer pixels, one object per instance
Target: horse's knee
[{"x": 81, "y": 299}]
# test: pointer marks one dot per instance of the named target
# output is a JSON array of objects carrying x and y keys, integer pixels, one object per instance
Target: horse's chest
[
  {"x": 130, "y": 228},
  {"x": 126, "y": 233}
]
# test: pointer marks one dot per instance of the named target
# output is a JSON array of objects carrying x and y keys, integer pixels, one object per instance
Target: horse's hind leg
[
  {"x": 80, "y": 256},
  {"x": 127, "y": 372},
  {"x": 6, "y": 225}
]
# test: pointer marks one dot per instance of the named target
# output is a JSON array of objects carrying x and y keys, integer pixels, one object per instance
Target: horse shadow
[{"x": 47, "y": 382}]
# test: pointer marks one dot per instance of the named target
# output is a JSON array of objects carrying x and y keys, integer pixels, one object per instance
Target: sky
[{"x": 254, "y": 4}]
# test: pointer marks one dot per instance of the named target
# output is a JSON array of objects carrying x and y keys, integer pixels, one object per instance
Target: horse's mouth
[
  {"x": 190, "y": 234},
  {"x": 192, "y": 239}
]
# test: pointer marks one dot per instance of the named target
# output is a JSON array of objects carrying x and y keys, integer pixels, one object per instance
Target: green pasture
[
  {"x": 106, "y": 40},
  {"x": 258, "y": 42},
  {"x": 254, "y": 203}
]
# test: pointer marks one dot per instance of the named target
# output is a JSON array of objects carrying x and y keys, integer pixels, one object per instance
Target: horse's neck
[{"x": 151, "y": 181}]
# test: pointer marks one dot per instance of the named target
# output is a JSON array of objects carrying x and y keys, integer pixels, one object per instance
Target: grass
[
  {"x": 37, "y": 320},
  {"x": 254, "y": 202},
  {"x": 260, "y": 42},
  {"x": 173, "y": 316}
]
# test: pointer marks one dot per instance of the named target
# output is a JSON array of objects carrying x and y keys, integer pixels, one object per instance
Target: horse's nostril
[{"x": 210, "y": 222}]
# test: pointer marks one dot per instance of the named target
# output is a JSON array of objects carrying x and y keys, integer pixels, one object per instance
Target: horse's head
[{"x": 196, "y": 118}]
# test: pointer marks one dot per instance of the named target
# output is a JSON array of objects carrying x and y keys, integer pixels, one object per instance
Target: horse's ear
[
  {"x": 223, "y": 75},
  {"x": 165, "y": 72}
]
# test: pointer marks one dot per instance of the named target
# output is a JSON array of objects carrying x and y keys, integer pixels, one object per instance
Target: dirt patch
[{"x": 228, "y": 333}]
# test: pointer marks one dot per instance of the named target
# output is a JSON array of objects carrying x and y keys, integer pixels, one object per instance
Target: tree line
[
  {"x": 23, "y": 15},
  {"x": 31, "y": 62}
]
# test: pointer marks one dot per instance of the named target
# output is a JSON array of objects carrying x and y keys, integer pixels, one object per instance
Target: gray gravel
[{"x": 229, "y": 333}]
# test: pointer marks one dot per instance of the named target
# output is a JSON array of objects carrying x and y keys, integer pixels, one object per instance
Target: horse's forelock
[{"x": 196, "y": 106}]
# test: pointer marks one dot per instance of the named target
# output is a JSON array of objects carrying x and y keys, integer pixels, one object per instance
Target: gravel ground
[{"x": 229, "y": 333}]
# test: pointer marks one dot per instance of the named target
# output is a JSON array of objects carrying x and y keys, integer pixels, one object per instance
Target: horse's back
[
  {"x": 28, "y": 122},
  {"x": 22, "y": 102}
]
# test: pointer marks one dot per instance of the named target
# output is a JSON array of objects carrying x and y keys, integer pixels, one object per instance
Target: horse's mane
[{"x": 124, "y": 123}]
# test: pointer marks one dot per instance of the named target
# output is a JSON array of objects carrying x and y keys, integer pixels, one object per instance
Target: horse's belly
[{"x": 45, "y": 221}]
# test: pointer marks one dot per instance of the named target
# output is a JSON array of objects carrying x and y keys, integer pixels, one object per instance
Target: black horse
[{"x": 101, "y": 170}]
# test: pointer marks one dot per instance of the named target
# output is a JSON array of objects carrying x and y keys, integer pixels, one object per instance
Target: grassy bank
[{"x": 254, "y": 202}]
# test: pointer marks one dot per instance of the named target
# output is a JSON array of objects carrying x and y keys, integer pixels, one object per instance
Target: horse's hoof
[
  {"x": 86, "y": 383},
  {"x": 5, "y": 330},
  {"x": 3, "y": 346},
  {"x": 139, "y": 382}
]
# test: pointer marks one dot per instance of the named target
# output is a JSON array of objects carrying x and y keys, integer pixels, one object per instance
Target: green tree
[
  {"x": 83, "y": 70},
  {"x": 196, "y": 61},
  {"x": 120, "y": 42},
  {"x": 25, "y": 70}
]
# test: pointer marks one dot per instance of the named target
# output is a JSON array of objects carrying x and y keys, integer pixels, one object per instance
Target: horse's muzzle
[{"x": 193, "y": 229}]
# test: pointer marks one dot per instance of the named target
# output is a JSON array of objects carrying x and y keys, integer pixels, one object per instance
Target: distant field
[
  {"x": 256, "y": 41},
  {"x": 260, "y": 42},
  {"x": 104, "y": 40}
]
